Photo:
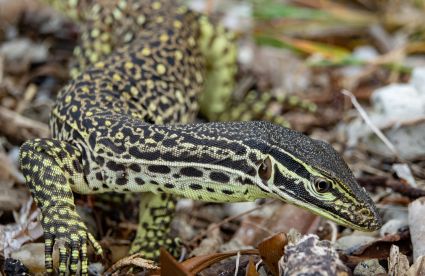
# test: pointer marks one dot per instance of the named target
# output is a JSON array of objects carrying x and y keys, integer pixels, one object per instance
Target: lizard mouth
[{"x": 362, "y": 222}]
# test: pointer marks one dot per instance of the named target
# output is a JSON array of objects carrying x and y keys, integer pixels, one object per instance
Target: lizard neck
[{"x": 205, "y": 189}]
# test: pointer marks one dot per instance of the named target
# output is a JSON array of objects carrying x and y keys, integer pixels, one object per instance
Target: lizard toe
[
  {"x": 97, "y": 248},
  {"x": 48, "y": 252},
  {"x": 63, "y": 258},
  {"x": 76, "y": 244}
]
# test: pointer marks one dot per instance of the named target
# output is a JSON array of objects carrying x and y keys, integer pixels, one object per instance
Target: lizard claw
[{"x": 64, "y": 227}]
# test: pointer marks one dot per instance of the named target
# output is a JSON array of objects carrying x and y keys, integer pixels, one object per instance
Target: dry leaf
[
  {"x": 250, "y": 269},
  {"x": 378, "y": 249},
  {"x": 199, "y": 263},
  {"x": 170, "y": 267},
  {"x": 271, "y": 250}
]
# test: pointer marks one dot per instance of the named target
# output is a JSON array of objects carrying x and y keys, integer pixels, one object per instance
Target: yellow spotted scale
[{"x": 124, "y": 124}]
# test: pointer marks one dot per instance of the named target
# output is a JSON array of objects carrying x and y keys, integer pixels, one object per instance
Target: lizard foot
[{"x": 62, "y": 225}]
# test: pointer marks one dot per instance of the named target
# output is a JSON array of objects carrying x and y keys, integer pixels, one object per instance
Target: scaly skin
[
  {"x": 255, "y": 105},
  {"x": 121, "y": 125}
]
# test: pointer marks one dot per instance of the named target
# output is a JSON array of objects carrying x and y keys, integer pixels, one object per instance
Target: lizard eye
[
  {"x": 265, "y": 169},
  {"x": 322, "y": 185}
]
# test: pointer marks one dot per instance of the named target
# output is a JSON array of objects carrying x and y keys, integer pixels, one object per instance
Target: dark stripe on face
[
  {"x": 287, "y": 185},
  {"x": 298, "y": 192},
  {"x": 342, "y": 186},
  {"x": 290, "y": 163},
  {"x": 279, "y": 156}
]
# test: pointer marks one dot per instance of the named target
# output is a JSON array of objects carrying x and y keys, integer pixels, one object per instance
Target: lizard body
[{"x": 123, "y": 124}]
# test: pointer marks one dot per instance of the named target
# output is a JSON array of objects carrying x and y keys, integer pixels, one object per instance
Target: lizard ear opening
[{"x": 265, "y": 169}]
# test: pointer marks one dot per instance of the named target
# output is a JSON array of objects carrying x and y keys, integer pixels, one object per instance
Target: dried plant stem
[{"x": 372, "y": 126}]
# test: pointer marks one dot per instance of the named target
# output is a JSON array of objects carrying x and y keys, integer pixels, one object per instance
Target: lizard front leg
[{"x": 51, "y": 169}]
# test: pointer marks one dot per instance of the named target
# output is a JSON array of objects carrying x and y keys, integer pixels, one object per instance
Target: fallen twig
[
  {"x": 395, "y": 185},
  {"x": 21, "y": 128}
]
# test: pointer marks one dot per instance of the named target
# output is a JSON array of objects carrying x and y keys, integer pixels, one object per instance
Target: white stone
[
  {"x": 408, "y": 140},
  {"x": 392, "y": 107},
  {"x": 238, "y": 17},
  {"x": 398, "y": 101},
  {"x": 237, "y": 208},
  {"x": 365, "y": 53},
  {"x": 418, "y": 80},
  {"x": 362, "y": 53},
  {"x": 24, "y": 49}
]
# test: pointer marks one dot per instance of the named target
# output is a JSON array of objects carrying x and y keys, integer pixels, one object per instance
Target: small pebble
[{"x": 369, "y": 267}]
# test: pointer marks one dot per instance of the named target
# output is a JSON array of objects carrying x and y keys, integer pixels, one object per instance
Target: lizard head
[{"x": 311, "y": 174}]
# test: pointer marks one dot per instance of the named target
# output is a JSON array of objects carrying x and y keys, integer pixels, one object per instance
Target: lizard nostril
[{"x": 365, "y": 212}]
